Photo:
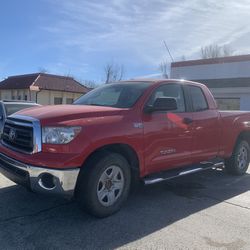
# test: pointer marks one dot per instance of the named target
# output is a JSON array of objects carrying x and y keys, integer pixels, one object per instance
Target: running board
[{"x": 174, "y": 173}]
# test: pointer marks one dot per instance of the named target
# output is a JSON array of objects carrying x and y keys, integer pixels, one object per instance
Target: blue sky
[{"x": 78, "y": 37}]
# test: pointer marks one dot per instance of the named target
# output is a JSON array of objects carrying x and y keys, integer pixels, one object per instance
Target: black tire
[
  {"x": 91, "y": 183},
  {"x": 239, "y": 161}
]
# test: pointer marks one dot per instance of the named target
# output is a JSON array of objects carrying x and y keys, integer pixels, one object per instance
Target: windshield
[
  {"x": 119, "y": 95},
  {"x": 13, "y": 108}
]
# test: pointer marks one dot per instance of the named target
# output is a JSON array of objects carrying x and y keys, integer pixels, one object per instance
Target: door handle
[{"x": 187, "y": 120}]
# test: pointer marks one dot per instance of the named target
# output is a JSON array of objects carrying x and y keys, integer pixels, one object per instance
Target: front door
[{"x": 167, "y": 135}]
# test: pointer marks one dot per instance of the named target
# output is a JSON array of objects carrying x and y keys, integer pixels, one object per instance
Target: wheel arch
[
  {"x": 125, "y": 150},
  {"x": 232, "y": 163},
  {"x": 243, "y": 135}
]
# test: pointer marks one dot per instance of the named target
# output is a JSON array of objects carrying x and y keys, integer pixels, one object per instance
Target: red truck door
[
  {"x": 206, "y": 126},
  {"x": 167, "y": 135}
]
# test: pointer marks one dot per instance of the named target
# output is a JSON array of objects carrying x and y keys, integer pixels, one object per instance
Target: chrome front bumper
[{"x": 39, "y": 179}]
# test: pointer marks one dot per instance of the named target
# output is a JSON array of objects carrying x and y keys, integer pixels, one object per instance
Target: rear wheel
[
  {"x": 104, "y": 187},
  {"x": 239, "y": 161}
]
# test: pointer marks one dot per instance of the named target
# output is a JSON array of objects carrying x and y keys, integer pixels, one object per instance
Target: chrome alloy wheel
[
  {"x": 242, "y": 157},
  {"x": 110, "y": 185}
]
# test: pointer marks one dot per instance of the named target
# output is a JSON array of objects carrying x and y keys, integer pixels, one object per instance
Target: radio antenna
[{"x": 168, "y": 50}]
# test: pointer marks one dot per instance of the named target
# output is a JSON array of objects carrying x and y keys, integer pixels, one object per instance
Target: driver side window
[{"x": 171, "y": 91}]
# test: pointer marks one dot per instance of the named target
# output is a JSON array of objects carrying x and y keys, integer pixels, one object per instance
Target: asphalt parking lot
[{"x": 208, "y": 210}]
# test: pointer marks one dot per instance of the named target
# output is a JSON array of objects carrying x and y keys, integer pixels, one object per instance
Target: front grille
[{"x": 18, "y": 134}]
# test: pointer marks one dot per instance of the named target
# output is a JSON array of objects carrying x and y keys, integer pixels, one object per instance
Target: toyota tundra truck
[{"x": 153, "y": 130}]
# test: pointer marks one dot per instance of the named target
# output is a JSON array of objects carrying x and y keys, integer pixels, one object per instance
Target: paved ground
[{"x": 209, "y": 210}]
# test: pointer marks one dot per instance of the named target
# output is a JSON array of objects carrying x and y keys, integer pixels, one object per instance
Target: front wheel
[
  {"x": 239, "y": 161},
  {"x": 104, "y": 187}
]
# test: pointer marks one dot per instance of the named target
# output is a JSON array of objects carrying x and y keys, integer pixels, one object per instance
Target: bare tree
[
  {"x": 43, "y": 70},
  {"x": 89, "y": 84},
  {"x": 113, "y": 72},
  {"x": 227, "y": 50},
  {"x": 183, "y": 58},
  {"x": 210, "y": 51},
  {"x": 164, "y": 69},
  {"x": 214, "y": 51}
]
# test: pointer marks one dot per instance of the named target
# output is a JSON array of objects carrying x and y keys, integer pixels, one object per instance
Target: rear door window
[{"x": 198, "y": 99}]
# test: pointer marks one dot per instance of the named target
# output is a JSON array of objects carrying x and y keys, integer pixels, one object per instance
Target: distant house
[
  {"x": 42, "y": 88},
  {"x": 228, "y": 78}
]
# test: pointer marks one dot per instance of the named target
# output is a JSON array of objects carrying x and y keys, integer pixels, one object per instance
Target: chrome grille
[{"x": 22, "y": 135}]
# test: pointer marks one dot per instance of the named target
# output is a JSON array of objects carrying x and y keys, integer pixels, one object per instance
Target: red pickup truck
[{"x": 154, "y": 130}]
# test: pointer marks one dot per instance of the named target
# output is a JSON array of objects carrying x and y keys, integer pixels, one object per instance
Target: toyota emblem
[{"x": 12, "y": 134}]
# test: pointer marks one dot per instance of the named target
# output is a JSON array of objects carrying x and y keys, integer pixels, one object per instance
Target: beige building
[{"x": 45, "y": 89}]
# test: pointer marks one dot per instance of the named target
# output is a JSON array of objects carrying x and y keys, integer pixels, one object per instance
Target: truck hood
[{"x": 59, "y": 113}]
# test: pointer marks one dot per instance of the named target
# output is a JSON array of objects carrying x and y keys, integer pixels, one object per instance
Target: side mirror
[{"x": 162, "y": 104}]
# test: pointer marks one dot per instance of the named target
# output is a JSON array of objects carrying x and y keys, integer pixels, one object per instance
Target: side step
[{"x": 170, "y": 174}]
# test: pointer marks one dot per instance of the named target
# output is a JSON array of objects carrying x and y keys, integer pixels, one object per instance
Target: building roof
[
  {"x": 43, "y": 81},
  {"x": 228, "y": 59},
  {"x": 18, "y": 82}
]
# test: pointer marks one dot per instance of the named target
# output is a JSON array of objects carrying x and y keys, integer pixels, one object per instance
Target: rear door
[
  {"x": 167, "y": 135},
  {"x": 205, "y": 126}
]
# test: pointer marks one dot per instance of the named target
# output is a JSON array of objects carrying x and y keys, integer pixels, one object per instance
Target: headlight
[{"x": 59, "y": 135}]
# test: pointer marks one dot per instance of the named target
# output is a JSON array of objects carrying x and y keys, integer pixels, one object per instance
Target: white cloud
[{"x": 133, "y": 31}]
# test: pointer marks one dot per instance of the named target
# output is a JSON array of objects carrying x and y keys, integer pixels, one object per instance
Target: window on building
[
  {"x": 19, "y": 97},
  {"x": 228, "y": 103},
  {"x": 69, "y": 100},
  {"x": 198, "y": 99},
  {"x": 13, "y": 97},
  {"x": 25, "y": 97},
  {"x": 58, "y": 100}
]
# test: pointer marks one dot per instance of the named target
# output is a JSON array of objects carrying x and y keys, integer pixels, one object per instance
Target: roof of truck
[{"x": 161, "y": 80}]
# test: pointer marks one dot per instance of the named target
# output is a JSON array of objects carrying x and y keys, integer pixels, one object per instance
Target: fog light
[{"x": 47, "y": 181}]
